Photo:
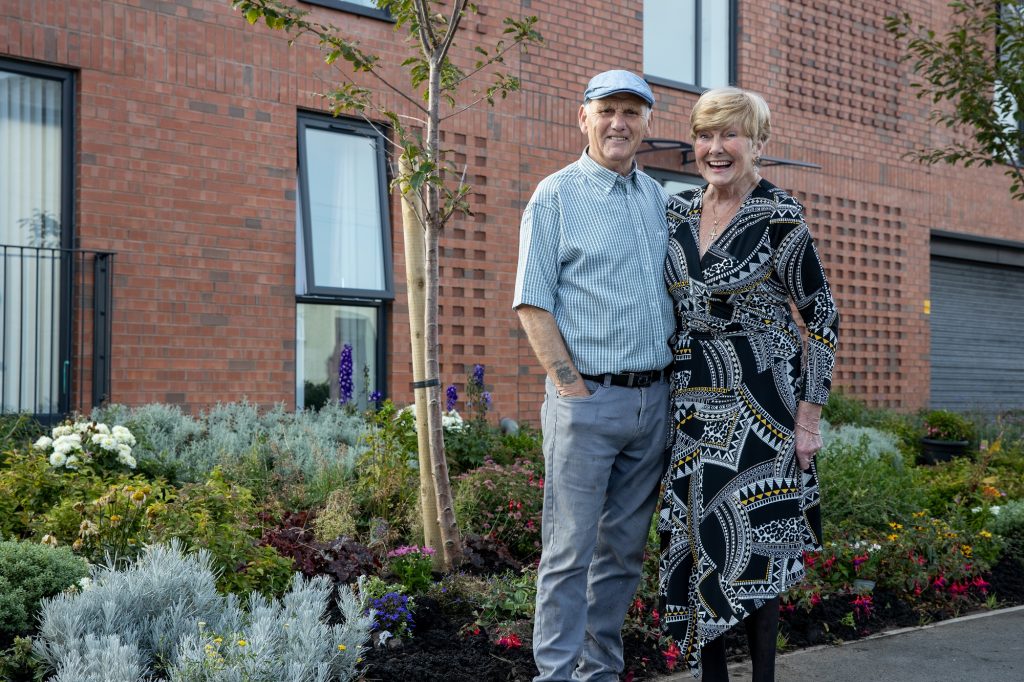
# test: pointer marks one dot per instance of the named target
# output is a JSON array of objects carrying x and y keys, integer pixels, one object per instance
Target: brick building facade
[{"x": 183, "y": 126}]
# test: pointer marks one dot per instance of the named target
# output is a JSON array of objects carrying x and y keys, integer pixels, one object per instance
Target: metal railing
[{"x": 55, "y": 312}]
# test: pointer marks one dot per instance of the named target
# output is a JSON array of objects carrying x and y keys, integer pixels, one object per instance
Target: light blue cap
[{"x": 615, "y": 82}]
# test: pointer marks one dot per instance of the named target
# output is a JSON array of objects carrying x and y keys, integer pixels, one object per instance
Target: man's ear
[{"x": 583, "y": 118}]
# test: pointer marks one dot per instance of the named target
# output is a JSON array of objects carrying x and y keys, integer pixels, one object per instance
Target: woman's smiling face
[{"x": 725, "y": 157}]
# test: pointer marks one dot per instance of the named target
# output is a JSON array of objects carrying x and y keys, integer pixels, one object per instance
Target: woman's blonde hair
[{"x": 725, "y": 107}]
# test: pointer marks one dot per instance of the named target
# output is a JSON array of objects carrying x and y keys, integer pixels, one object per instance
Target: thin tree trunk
[
  {"x": 450, "y": 536},
  {"x": 412, "y": 228}
]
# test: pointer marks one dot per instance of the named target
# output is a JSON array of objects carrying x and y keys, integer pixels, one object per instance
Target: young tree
[
  {"x": 431, "y": 195},
  {"x": 977, "y": 67}
]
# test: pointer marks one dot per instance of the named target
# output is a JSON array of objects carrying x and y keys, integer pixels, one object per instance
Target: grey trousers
[{"x": 604, "y": 456}]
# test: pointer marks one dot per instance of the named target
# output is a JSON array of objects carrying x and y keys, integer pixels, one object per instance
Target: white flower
[
  {"x": 106, "y": 442},
  {"x": 452, "y": 420},
  {"x": 62, "y": 430},
  {"x": 68, "y": 443},
  {"x": 127, "y": 460},
  {"x": 85, "y": 584},
  {"x": 83, "y": 427},
  {"x": 994, "y": 509},
  {"x": 70, "y": 464},
  {"x": 57, "y": 459},
  {"x": 43, "y": 443},
  {"x": 123, "y": 435},
  {"x": 102, "y": 428}
]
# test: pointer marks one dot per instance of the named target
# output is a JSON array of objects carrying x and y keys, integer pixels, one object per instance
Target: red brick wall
[{"x": 186, "y": 134}]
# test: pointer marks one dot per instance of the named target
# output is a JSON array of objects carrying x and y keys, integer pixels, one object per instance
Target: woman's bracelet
[{"x": 808, "y": 430}]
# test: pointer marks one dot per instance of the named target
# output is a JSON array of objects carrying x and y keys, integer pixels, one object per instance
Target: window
[
  {"x": 674, "y": 183},
  {"x": 367, "y": 8},
  {"x": 35, "y": 230},
  {"x": 343, "y": 258},
  {"x": 690, "y": 44}
]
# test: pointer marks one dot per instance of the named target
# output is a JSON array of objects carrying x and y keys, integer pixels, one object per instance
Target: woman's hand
[{"x": 808, "y": 433}]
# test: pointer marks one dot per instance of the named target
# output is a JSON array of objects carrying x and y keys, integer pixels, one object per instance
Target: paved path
[{"x": 984, "y": 647}]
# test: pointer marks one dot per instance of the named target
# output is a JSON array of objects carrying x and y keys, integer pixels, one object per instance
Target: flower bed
[{"x": 331, "y": 495}]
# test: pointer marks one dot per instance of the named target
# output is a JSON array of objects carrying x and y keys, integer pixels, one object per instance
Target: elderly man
[{"x": 590, "y": 296}]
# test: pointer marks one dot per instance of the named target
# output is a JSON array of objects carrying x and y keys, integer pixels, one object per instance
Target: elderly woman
[{"x": 740, "y": 495}]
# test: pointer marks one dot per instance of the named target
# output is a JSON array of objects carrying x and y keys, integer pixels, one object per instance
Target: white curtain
[
  {"x": 30, "y": 220},
  {"x": 344, "y": 206}
]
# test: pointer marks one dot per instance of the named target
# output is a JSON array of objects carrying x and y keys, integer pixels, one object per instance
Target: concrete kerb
[{"x": 740, "y": 671}]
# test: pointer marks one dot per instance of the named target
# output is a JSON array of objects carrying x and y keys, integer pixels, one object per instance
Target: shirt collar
[{"x": 601, "y": 176}]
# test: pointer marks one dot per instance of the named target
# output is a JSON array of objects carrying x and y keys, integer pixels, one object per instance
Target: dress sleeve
[{"x": 800, "y": 269}]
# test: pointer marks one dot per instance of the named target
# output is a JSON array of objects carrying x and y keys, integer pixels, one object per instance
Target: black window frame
[
  {"x": 345, "y": 126},
  {"x": 353, "y": 8},
  {"x": 733, "y": 51},
  {"x": 379, "y": 299},
  {"x": 68, "y": 234}
]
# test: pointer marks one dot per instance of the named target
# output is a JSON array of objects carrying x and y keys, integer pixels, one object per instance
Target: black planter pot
[{"x": 933, "y": 451}]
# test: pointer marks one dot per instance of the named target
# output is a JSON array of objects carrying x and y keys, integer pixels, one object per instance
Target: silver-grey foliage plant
[
  {"x": 305, "y": 442},
  {"x": 162, "y": 618}
]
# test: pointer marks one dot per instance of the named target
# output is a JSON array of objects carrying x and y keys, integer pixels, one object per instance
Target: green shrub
[
  {"x": 1007, "y": 521},
  {"x": 17, "y": 431},
  {"x": 387, "y": 477},
  {"x": 503, "y": 501},
  {"x": 843, "y": 409},
  {"x": 28, "y": 573},
  {"x": 30, "y": 488},
  {"x": 947, "y": 425},
  {"x": 220, "y": 517},
  {"x": 864, "y": 485},
  {"x": 113, "y": 526}
]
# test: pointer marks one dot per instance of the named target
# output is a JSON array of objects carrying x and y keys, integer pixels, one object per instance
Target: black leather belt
[{"x": 630, "y": 379}]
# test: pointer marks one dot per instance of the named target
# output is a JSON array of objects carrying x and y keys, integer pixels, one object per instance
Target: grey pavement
[{"x": 984, "y": 647}]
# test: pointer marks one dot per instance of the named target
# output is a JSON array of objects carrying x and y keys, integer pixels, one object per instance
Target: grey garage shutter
[{"x": 977, "y": 336}]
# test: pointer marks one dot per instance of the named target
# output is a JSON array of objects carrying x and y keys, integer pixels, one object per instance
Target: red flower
[
  {"x": 510, "y": 641},
  {"x": 815, "y": 599},
  {"x": 671, "y": 655},
  {"x": 981, "y": 584}
]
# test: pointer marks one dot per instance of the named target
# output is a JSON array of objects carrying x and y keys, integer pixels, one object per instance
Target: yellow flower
[
  {"x": 342, "y": 647},
  {"x": 895, "y": 526},
  {"x": 218, "y": 640},
  {"x": 966, "y": 550},
  {"x": 242, "y": 642},
  {"x": 919, "y": 514},
  {"x": 985, "y": 534}
]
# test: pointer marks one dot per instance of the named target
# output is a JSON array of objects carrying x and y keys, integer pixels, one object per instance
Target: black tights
[{"x": 762, "y": 629}]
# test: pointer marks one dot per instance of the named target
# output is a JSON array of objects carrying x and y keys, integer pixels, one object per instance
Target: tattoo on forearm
[{"x": 565, "y": 373}]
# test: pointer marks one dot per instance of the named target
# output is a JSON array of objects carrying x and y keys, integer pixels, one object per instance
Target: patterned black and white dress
[{"x": 738, "y": 512}]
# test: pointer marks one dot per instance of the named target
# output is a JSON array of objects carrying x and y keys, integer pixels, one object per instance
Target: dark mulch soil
[{"x": 440, "y": 651}]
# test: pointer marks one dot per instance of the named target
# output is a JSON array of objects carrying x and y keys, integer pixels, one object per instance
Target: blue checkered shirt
[{"x": 591, "y": 251}]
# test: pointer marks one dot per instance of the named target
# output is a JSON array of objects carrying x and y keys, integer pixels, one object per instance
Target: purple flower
[
  {"x": 478, "y": 375},
  {"x": 453, "y": 397},
  {"x": 345, "y": 374},
  {"x": 376, "y": 397}
]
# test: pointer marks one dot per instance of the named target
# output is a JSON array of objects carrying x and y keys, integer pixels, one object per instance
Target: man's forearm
[{"x": 549, "y": 347}]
